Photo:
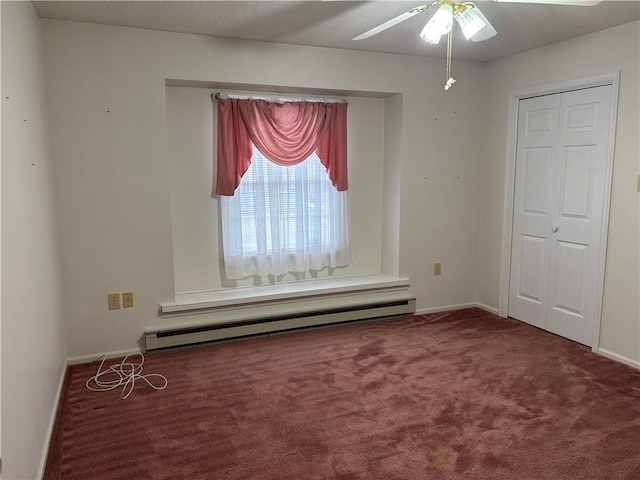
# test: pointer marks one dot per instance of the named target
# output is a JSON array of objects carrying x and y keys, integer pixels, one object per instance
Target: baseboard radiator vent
[{"x": 189, "y": 335}]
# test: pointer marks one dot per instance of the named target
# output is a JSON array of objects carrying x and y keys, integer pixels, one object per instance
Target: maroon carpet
[{"x": 457, "y": 395}]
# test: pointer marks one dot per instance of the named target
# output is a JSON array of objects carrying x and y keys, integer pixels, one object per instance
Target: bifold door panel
[{"x": 560, "y": 184}]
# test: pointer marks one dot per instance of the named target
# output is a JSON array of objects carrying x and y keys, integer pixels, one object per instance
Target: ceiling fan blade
[
  {"x": 390, "y": 23},
  {"x": 575, "y": 3}
]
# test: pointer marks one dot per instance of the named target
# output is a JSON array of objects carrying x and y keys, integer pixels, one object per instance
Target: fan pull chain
[{"x": 450, "y": 79}]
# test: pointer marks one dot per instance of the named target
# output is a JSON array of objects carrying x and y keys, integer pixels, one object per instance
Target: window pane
[{"x": 293, "y": 212}]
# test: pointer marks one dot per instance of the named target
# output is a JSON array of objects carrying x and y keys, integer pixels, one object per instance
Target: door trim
[{"x": 612, "y": 79}]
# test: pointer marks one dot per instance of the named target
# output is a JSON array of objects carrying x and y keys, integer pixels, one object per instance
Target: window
[
  {"x": 284, "y": 165},
  {"x": 284, "y": 219}
]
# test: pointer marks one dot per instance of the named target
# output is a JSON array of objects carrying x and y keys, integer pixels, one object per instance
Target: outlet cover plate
[
  {"x": 127, "y": 300},
  {"x": 113, "y": 300}
]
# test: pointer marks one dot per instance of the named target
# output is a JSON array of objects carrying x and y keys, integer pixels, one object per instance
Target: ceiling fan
[{"x": 473, "y": 23}]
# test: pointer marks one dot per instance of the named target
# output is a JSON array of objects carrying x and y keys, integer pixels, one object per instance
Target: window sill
[{"x": 196, "y": 302}]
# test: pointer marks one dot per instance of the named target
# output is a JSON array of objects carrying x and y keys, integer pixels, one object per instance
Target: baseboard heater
[{"x": 183, "y": 336}]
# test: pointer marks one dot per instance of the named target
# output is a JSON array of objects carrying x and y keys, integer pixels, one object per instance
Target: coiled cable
[{"x": 124, "y": 373}]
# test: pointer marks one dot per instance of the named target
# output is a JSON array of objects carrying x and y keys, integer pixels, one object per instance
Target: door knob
[{"x": 554, "y": 229}]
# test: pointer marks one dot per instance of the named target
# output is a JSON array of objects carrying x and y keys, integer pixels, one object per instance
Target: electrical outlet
[
  {"x": 127, "y": 299},
  {"x": 113, "y": 300},
  {"x": 437, "y": 268}
]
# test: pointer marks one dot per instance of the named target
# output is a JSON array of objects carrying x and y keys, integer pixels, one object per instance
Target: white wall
[
  {"x": 33, "y": 356},
  {"x": 107, "y": 102},
  {"x": 391, "y": 185},
  {"x": 439, "y": 188},
  {"x": 197, "y": 246},
  {"x": 616, "y": 49}
]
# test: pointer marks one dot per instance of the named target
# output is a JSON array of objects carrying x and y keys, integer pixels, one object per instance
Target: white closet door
[
  {"x": 578, "y": 201},
  {"x": 533, "y": 218},
  {"x": 561, "y": 159}
]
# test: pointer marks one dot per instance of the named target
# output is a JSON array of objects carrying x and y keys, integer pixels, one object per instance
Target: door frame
[{"x": 612, "y": 79}]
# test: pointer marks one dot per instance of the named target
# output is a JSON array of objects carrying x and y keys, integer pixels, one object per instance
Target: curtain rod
[{"x": 278, "y": 98}]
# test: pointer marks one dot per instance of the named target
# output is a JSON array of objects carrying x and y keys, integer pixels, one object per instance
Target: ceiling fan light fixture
[
  {"x": 473, "y": 23},
  {"x": 469, "y": 20},
  {"x": 440, "y": 24}
]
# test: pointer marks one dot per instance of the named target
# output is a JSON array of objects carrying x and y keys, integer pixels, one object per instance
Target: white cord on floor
[{"x": 126, "y": 373}]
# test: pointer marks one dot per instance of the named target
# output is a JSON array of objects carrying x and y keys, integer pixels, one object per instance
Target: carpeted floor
[{"x": 456, "y": 395}]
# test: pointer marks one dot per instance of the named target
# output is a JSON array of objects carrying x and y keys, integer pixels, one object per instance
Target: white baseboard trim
[
  {"x": 76, "y": 360},
  {"x": 489, "y": 309},
  {"x": 619, "y": 358},
  {"x": 52, "y": 421},
  {"x": 447, "y": 308}
]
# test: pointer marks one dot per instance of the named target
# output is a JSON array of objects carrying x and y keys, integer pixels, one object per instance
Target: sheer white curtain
[{"x": 284, "y": 219}]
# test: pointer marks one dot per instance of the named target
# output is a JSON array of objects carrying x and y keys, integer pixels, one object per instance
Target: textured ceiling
[{"x": 333, "y": 23}]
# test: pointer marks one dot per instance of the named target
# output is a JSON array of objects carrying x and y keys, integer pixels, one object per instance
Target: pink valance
[{"x": 285, "y": 133}]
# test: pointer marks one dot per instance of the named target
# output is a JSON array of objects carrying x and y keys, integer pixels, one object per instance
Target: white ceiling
[{"x": 333, "y": 23}]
